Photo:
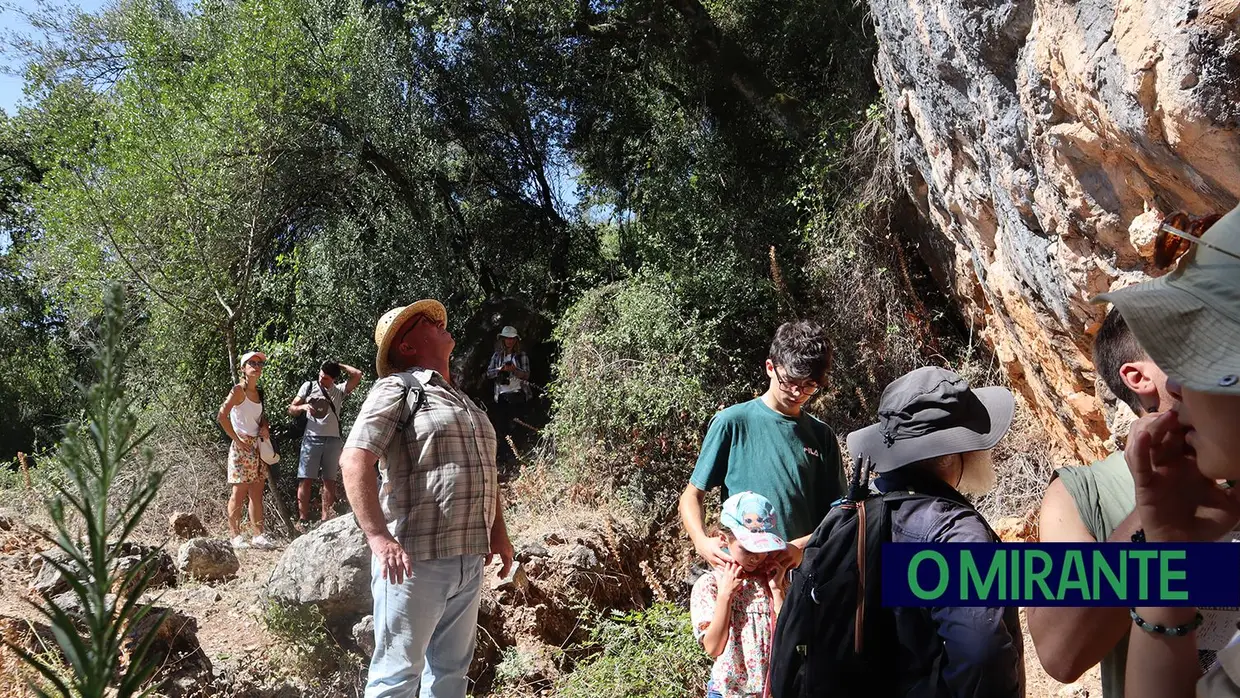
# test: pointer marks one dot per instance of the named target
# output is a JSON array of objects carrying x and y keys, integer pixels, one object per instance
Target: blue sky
[{"x": 12, "y": 20}]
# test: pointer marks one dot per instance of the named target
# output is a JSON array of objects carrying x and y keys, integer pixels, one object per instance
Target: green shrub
[
  {"x": 643, "y": 654},
  {"x": 301, "y": 631},
  {"x": 632, "y": 391}
]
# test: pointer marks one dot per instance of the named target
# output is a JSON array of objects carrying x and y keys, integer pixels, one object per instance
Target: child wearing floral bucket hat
[{"x": 734, "y": 608}]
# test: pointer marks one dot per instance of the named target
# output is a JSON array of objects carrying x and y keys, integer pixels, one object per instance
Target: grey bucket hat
[{"x": 932, "y": 412}]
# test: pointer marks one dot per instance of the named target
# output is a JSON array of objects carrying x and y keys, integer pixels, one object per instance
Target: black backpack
[{"x": 833, "y": 637}]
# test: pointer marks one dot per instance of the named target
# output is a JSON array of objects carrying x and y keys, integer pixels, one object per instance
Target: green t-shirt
[
  {"x": 793, "y": 461},
  {"x": 1105, "y": 495}
]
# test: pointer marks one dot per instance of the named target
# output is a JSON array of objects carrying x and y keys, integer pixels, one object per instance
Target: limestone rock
[
  {"x": 583, "y": 558},
  {"x": 329, "y": 567},
  {"x": 364, "y": 635},
  {"x": 47, "y": 579},
  {"x": 165, "y": 569},
  {"x": 515, "y": 581},
  {"x": 207, "y": 559},
  {"x": 531, "y": 551},
  {"x": 1041, "y": 143},
  {"x": 185, "y": 526}
]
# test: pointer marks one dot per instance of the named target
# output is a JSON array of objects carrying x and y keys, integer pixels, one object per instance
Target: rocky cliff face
[{"x": 1042, "y": 141}]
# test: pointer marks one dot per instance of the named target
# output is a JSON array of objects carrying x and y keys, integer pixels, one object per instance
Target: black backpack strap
[{"x": 412, "y": 385}]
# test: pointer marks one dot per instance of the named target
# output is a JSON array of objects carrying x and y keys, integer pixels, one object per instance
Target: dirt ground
[
  {"x": 1039, "y": 684},
  {"x": 232, "y": 634}
]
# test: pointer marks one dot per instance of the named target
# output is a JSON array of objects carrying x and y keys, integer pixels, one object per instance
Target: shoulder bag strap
[{"x": 331, "y": 404}]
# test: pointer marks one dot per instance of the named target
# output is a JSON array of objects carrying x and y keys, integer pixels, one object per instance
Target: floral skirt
[{"x": 244, "y": 465}]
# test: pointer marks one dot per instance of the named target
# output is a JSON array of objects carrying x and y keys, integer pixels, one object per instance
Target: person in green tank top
[
  {"x": 1096, "y": 503},
  {"x": 769, "y": 445}
]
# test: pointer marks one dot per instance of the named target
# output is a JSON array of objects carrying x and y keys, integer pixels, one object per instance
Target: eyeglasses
[
  {"x": 1178, "y": 233},
  {"x": 259, "y": 364},
  {"x": 807, "y": 388}
]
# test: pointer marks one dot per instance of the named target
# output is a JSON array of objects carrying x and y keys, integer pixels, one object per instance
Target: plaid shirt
[
  {"x": 521, "y": 360},
  {"x": 439, "y": 479},
  {"x": 508, "y": 382}
]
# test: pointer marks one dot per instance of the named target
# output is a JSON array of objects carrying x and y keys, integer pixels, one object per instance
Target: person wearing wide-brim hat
[
  {"x": 436, "y": 519},
  {"x": 1185, "y": 461},
  {"x": 509, "y": 369},
  {"x": 934, "y": 437}
]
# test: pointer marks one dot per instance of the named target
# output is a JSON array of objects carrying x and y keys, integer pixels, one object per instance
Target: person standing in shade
[
  {"x": 934, "y": 438},
  {"x": 321, "y": 401},
  {"x": 509, "y": 368},
  {"x": 771, "y": 446}
]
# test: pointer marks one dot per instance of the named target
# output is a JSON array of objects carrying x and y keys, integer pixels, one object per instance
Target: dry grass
[
  {"x": 1024, "y": 460},
  {"x": 194, "y": 482}
]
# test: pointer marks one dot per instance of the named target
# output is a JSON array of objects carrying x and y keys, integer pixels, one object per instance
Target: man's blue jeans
[{"x": 425, "y": 628}]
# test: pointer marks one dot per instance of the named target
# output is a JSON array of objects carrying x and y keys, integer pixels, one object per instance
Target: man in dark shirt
[{"x": 934, "y": 437}]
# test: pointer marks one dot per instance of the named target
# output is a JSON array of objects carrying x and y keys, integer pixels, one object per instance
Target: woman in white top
[
  {"x": 241, "y": 416},
  {"x": 1185, "y": 461}
]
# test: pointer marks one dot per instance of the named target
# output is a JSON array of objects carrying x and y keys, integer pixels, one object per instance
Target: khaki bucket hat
[
  {"x": 1188, "y": 320},
  {"x": 391, "y": 323}
]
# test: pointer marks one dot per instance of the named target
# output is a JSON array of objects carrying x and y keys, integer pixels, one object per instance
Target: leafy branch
[{"x": 97, "y": 643}]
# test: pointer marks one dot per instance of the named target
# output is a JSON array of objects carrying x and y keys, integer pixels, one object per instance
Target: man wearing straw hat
[{"x": 437, "y": 514}]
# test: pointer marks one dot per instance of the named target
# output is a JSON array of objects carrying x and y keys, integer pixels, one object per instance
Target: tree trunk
[{"x": 281, "y": 510}]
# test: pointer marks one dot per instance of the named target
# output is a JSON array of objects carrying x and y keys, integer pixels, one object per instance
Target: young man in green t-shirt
[{"x": 770, "y": 446}]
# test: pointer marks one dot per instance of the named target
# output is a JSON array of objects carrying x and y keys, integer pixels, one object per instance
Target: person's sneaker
[
  {"x": 239, "y": 542},
  {"x": 261, "y": 541}
]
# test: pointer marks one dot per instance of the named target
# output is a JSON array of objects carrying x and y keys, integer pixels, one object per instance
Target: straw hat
[
  {"x": 1188, "y": 320},
  {"x": 509, "y": 331},
  {"x": 391, "y": 323}
]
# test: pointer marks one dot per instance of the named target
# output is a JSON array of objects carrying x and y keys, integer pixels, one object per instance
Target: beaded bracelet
[{"x": 1177, "y": 631}]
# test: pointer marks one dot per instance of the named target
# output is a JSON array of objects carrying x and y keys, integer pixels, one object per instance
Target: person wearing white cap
[
  {"x": 437, "y": 517},
  {"x": 242, "y": 419},
  {"x": 1188, "y": 321},
  {"x": 510, "y": 370}
]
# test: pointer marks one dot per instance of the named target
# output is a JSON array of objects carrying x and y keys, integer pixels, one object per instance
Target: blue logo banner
[{"x": 1061, "y": 574}]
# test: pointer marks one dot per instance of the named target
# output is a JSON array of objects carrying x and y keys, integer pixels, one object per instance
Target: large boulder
[
  {"x": 328, "y": 567},
  {"x": 207, "y": 559},
  {"x": 1041, "y": 141}
]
